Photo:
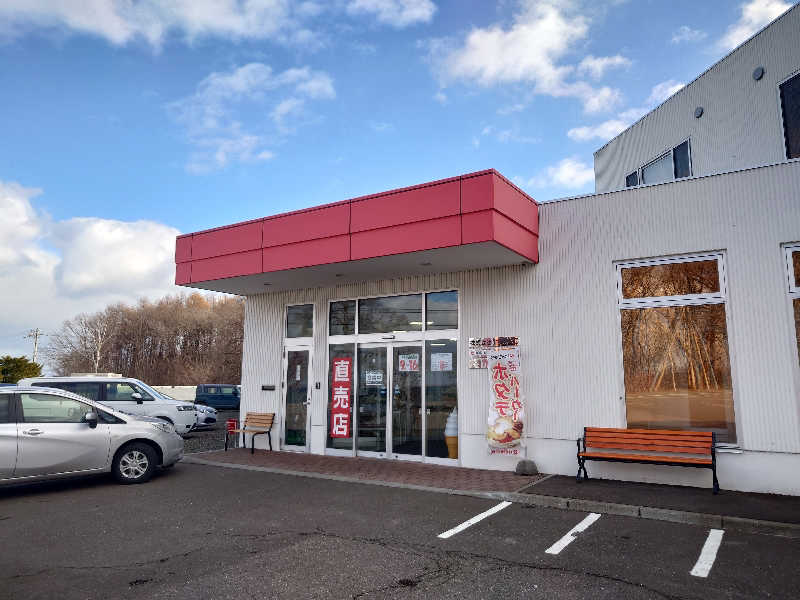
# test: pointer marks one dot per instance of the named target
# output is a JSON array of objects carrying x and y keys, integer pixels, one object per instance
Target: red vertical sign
[{"x": 340, "y": 397}]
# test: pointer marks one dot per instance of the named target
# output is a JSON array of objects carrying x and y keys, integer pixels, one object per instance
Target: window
[
  {"x": 300, "y": 321},
  {"x": 675, "y": 164},
  {"x": 393, "y": 313},
  {"x": 676, "y": 363},
  {"x": 123, "y": 392},
  {"x": 48, "y": 408},
  {"x": 441, "y": 310},
  {"x": 659, "y": 170},
  {"x": 85, "y": 389},
  {"x": 5, "y": 408},
  {"x": 227, "y": 390},
  {"x": 793, "y": 270},
  {"x": 790, "y": 109},
  {"x": 342, "y": 318}
]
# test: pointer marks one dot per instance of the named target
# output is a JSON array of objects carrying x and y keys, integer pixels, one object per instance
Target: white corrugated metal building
[{"x": 673, "y": 302}]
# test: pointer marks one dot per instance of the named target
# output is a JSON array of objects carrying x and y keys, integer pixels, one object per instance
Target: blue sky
[{"x": 126, "y": 123}]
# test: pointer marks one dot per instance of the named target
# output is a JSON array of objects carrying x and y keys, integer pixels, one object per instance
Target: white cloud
[
  {"x": 213, "y": 115},
  {"x": 662, "y": 91},
  {"x": 57, "y": 269},
  {"x": 610, "y": 128},
  {"x": 754, "y": 15},
  {"x": 396, "y": 13},
  {"x": 605, "y": 130},
  {"x": 506, "y": 135},
  {"x": 122, "y": 21},
  {"x": 569, "y": 173},
  {"x": 684, "y": 33},
  {"x": 532, "y": 50},
  {"x": 596, "y": 66}
]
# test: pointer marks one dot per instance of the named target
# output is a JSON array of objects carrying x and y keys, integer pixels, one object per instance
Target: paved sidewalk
[
  {"x": 765, "y": 507},
  {"x": 374, "y": 469}
]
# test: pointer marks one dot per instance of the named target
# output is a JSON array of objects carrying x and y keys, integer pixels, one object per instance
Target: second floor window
[
  {"x": 790, "y": 109},
  {"x": 675, "y": 164}
]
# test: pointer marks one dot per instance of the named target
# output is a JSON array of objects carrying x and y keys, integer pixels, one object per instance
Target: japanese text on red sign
[{"x": 340, "y": 397}]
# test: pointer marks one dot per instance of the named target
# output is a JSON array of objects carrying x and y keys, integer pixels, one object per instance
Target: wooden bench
[
  {"x": 254, "y": 424},
  {"x": 649, "y": 446}
]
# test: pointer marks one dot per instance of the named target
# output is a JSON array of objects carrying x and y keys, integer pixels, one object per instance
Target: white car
[
  {"x": 125, "y": 395},
  {"x": 206, "y": 416},
  {"x": 48, "y": 433}
]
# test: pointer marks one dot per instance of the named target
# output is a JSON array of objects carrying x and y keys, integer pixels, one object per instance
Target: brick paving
[{"x": 375, "y": 469}]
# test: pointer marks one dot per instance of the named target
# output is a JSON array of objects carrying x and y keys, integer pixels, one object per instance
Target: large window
[
  {"x": 390, "y": 314},
  {"x": 790, "y": 109},
  {"x": 300, "y": 321},
  {"x": 675, "y": 345},
  {"x": 793, "y": 271},
  {"x": 86, "y": 389},
  {"x": 674, "y": 164}
]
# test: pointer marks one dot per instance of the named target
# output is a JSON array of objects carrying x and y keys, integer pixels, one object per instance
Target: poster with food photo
[{"x": 505, "y": 425}]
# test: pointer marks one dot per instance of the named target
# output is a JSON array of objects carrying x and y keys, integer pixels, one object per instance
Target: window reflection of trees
[
  {"x": 671, "y": 279},
  {"x": 676, "y": 360}
]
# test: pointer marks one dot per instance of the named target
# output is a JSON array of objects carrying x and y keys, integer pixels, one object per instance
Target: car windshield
[{"x": 152, "y": 392}]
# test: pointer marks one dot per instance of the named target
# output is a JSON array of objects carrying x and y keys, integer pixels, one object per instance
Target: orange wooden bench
[
  {"x": 254, "y": 424},
  {"x": 648, "y": 446}
]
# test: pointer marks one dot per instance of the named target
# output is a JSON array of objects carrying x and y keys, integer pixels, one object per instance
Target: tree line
[{"x": 177, "y": 340}]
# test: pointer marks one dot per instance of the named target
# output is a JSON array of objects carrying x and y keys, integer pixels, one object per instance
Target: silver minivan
[{"x": 50, "y": 433}]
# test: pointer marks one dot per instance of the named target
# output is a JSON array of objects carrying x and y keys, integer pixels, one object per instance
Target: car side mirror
[
  {"x": 136, "y": 396},
  {"x": 90, "y": 418}
]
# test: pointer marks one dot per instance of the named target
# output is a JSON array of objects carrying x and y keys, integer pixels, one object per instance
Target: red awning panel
[{"x": 466, "y": 222}]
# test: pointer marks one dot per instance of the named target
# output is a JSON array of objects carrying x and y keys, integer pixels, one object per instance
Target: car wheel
[{"x": 135, "y": 463}]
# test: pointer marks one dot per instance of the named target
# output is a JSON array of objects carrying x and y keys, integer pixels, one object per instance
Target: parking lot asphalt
[
  {"x": 200, "y": 531},
  {"x": 211, "y": 437}
]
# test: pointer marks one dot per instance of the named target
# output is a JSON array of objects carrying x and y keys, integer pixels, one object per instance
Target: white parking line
[
  {"x": 708, "y": 554},
  {"x": 473, "y": 520},
  {"x": 568, "y": 539}
]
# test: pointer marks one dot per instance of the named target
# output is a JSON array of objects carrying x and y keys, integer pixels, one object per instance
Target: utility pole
[{"x": 35, "y": 334}]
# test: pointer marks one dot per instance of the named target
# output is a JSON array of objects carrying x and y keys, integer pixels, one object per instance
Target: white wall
[
  {"x": 741, "y": 124},
  {"x": 565, "y": 312}
]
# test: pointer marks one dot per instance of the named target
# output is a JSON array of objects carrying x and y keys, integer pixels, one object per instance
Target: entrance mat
[
  {"x": 766, "y": 507},
  {"x": 376, "y": 469}
]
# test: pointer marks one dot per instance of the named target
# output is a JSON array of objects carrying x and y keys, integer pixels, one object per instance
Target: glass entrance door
[
  {"x": 297, "y": 399},
  {"x": 373, "y": 381},
  {"x": 406, "y": 402},
  {"x": 389, "y": 400}
]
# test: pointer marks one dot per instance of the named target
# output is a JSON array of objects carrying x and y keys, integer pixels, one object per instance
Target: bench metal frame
[
  {"x": 642, "y": 459},
  {"x": 253, "y": 433}
]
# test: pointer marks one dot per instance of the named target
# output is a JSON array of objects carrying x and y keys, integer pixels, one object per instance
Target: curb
[{"x": 740, "y": 524}]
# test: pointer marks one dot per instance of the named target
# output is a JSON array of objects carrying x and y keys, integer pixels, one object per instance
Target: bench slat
[
  {"x": 654, "y": 448},
  {"x": 653, "y": 436},
  {"x": 643, "y": 440},
  {"x": 654, "y": 458},
  {"x": 703, "y": 434}
]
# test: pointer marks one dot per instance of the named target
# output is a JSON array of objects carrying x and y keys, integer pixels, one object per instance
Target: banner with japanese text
[
  {"x": 340, "y": 398},
  {"x": 505, "y": 426}
]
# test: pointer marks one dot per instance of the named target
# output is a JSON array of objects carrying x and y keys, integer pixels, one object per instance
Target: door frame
[
  {"x": 289, "y": 345},
  {"x": 390, "y": 346}
]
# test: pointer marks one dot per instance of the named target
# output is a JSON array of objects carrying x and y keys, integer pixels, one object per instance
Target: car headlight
[
  {"x": 182, "y": 408},
  {"x": 165, "y": 427}
]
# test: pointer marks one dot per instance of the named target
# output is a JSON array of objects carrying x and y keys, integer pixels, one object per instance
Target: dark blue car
[{"x": 218, "y": 395}]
